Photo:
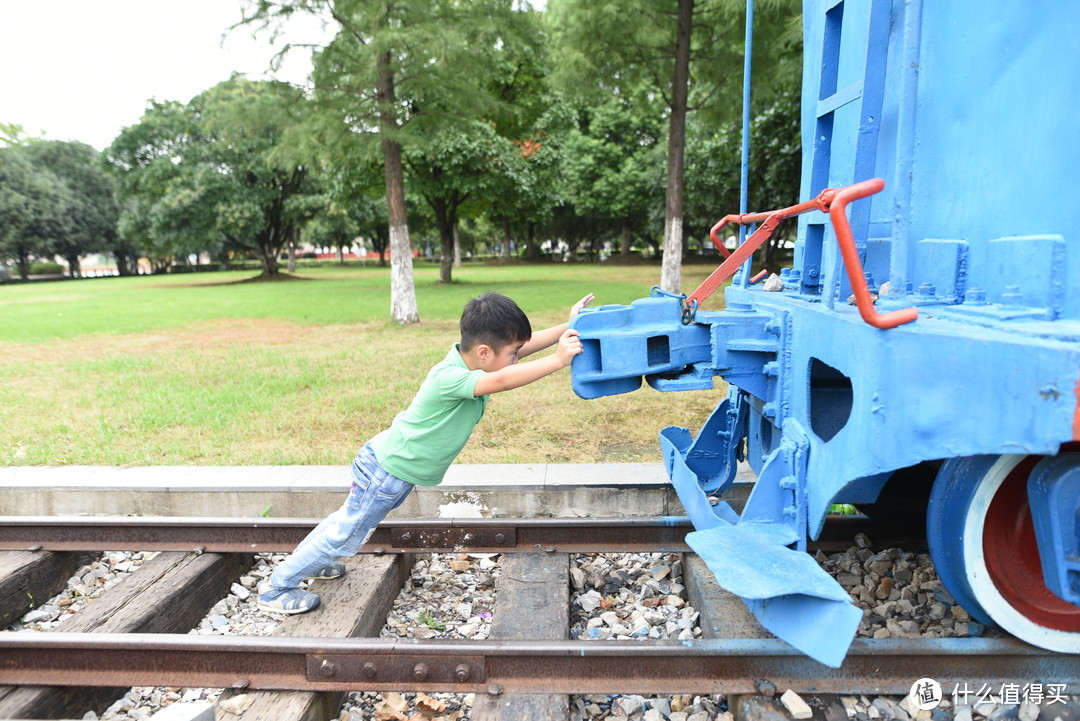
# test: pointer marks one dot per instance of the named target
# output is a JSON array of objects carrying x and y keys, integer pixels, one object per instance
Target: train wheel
[{"x": 982, "y": 541}]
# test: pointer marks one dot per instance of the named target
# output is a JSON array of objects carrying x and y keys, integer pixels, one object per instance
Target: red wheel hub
[{"x": 1012, "y": 555}]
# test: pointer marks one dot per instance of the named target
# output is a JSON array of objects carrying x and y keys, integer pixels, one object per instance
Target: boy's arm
[
  {"x": 548, "y": 337},
  {"x": 522, "y": 374}
]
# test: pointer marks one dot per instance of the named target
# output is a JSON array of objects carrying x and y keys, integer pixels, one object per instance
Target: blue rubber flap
[{"x": 786, "y": 590}]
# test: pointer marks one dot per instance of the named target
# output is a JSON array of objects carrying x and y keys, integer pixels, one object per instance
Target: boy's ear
[{"x": 483, "y": 351}]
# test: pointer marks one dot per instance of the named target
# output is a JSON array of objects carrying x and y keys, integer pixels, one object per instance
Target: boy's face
[{"x": 505, "y": 356}]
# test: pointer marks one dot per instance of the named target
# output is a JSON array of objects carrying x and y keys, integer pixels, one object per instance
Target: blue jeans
[{"x": 375, "y": 492}]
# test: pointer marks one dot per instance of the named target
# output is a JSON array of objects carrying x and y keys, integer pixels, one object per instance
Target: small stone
[
  {"x": 795, "y": 705},
  {"x": 630, "y": 705},
  {"x": 1005, "y": 713},
  {"x": 890, "y": 709},
  {"x": 1028, "y": 711},
  {"x": 460, "y": 566},
  {"x": 590, "y": 601},
  {"x": 773, "y": 284},
  {"x": 237, "y": 704},
  {"x": 862, "y": 540}
]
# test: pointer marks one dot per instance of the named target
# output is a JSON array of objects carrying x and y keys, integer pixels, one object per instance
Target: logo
[{"x": 925, "y": 694}]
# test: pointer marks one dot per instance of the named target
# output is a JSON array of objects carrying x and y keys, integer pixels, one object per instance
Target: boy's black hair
[{"x": 494, "y": 320}]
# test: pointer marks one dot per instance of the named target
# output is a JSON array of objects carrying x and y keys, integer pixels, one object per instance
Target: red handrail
[
  {"x": 832, "y": 201},
  {"x": 850, "y": 254}
]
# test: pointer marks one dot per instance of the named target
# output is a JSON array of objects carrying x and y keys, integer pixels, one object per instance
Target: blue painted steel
[
  {"x": 971, "y": 120},
  {"x": 949, "y": 505},
  {"x": 1054, "y": 494}
]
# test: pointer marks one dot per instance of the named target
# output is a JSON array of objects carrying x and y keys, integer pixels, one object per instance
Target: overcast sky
[{"x": 84, "y": 69}]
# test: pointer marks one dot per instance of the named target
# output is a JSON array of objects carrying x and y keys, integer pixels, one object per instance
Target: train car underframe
[{"x": 830, "y": 412}]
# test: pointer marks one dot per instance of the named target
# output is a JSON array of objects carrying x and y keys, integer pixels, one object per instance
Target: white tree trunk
[
  {"x": 457, "y": 248},
  {"x": 671, "y": 268},
  {"x": 402, "y": 293}
]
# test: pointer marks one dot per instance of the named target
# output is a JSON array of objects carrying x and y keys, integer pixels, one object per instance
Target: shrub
[{"x": 46, "y": 267}]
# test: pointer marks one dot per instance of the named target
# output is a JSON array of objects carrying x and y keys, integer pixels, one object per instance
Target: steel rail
[
  {"x": 497, "y": 535},
  {"x": 246, "y": 535},
  {"x": 884, "y": 666}
]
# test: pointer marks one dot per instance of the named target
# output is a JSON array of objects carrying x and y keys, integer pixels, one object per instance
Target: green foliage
[
  {"x": 425, "y": 617},
  {"x": 90, "y": 213},
  {"x": 215, "y": 174},
  {"x": 46, "y": 267}
]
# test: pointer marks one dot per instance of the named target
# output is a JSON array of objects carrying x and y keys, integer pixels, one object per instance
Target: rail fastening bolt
[
  {"x": 500, "y": 538},
  {"x": 327, "y": 668},
  {"x": 405, "y": 538},
  {"x": 368, "y": 670},
  {"x": 419, "y": 671},
  {"x": 494, "y": 689},
  {"x": 461, "y": 672}
]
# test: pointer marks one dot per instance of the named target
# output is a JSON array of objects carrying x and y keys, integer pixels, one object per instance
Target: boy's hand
[
  {"x": 569, "y": 346},
  {"x": 581, "y": 304}
]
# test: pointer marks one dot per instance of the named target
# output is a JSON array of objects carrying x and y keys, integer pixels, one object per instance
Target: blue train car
[{"x": 924, "y": 347}]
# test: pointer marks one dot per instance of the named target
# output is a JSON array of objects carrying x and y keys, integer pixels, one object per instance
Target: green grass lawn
[{"x": 207, "y": 369}]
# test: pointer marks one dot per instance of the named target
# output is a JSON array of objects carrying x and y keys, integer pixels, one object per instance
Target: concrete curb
[{"x": 483, "y": 490}]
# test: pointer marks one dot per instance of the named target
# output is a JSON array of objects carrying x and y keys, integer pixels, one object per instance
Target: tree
[
  {"x": 453, "y": 167},
  {"x": 167, "y": 195},
  {"x": 394, "y": 74},
  {"x": 33, "y": 208},
  {"x": 688, "y": 51},
  {"x": 91, "y": 208},
  {"x": 611, "y": 163},
  {"x": 712, "y": 189},
  {"x": 217, "y": 170},
  {"x": 269, "y": 193}
]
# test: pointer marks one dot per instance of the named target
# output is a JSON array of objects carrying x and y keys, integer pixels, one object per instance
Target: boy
[{"x": 424, "y": 440}]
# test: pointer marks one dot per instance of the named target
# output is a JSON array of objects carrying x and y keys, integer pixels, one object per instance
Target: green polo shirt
[{"x": 426, "y": 437}]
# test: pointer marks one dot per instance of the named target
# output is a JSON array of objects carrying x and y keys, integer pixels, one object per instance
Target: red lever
[{"x": 831, "y": 201}]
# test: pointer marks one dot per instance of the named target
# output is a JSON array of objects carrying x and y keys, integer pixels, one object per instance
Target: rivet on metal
[
  {"x": 35, "y": 547},
  {"x": 368, "y": 670},
  {"x": 420, "y": 671},
  {"x": 494, "y": 689},
  {"x": 199, "y": 550},
  {"x": 406, "y": 537},
  {"x": 766, "y": 688},
  {"x": 327, "y": 668},
  {"x": 378, "y": 550},
  {"x": 500, "y": 538},
  {"x": 461, "y": 672}
]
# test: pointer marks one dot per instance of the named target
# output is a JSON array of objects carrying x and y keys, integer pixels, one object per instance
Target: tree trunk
[
  {"x": 506, "y": 236},
  {"x": 403, "y": 308},
  {"x": 23, "y": 261},
  {"x": 671, "y": 267},
  {"x": 532, "y": 249},
  {"x": 266, "y": 250},
  {"x": 457, "y": 247},
  {"x": 625, "y": 242},
  {"x": 445, "y": 223},
  {"x": 74, "y": 268},
  {"x": 291, "y": 267}
]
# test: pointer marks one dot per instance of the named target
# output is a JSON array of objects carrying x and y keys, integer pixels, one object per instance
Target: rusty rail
[
  {"x": 707, "y": 666},
  {"x": 488, "y": 535}
]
